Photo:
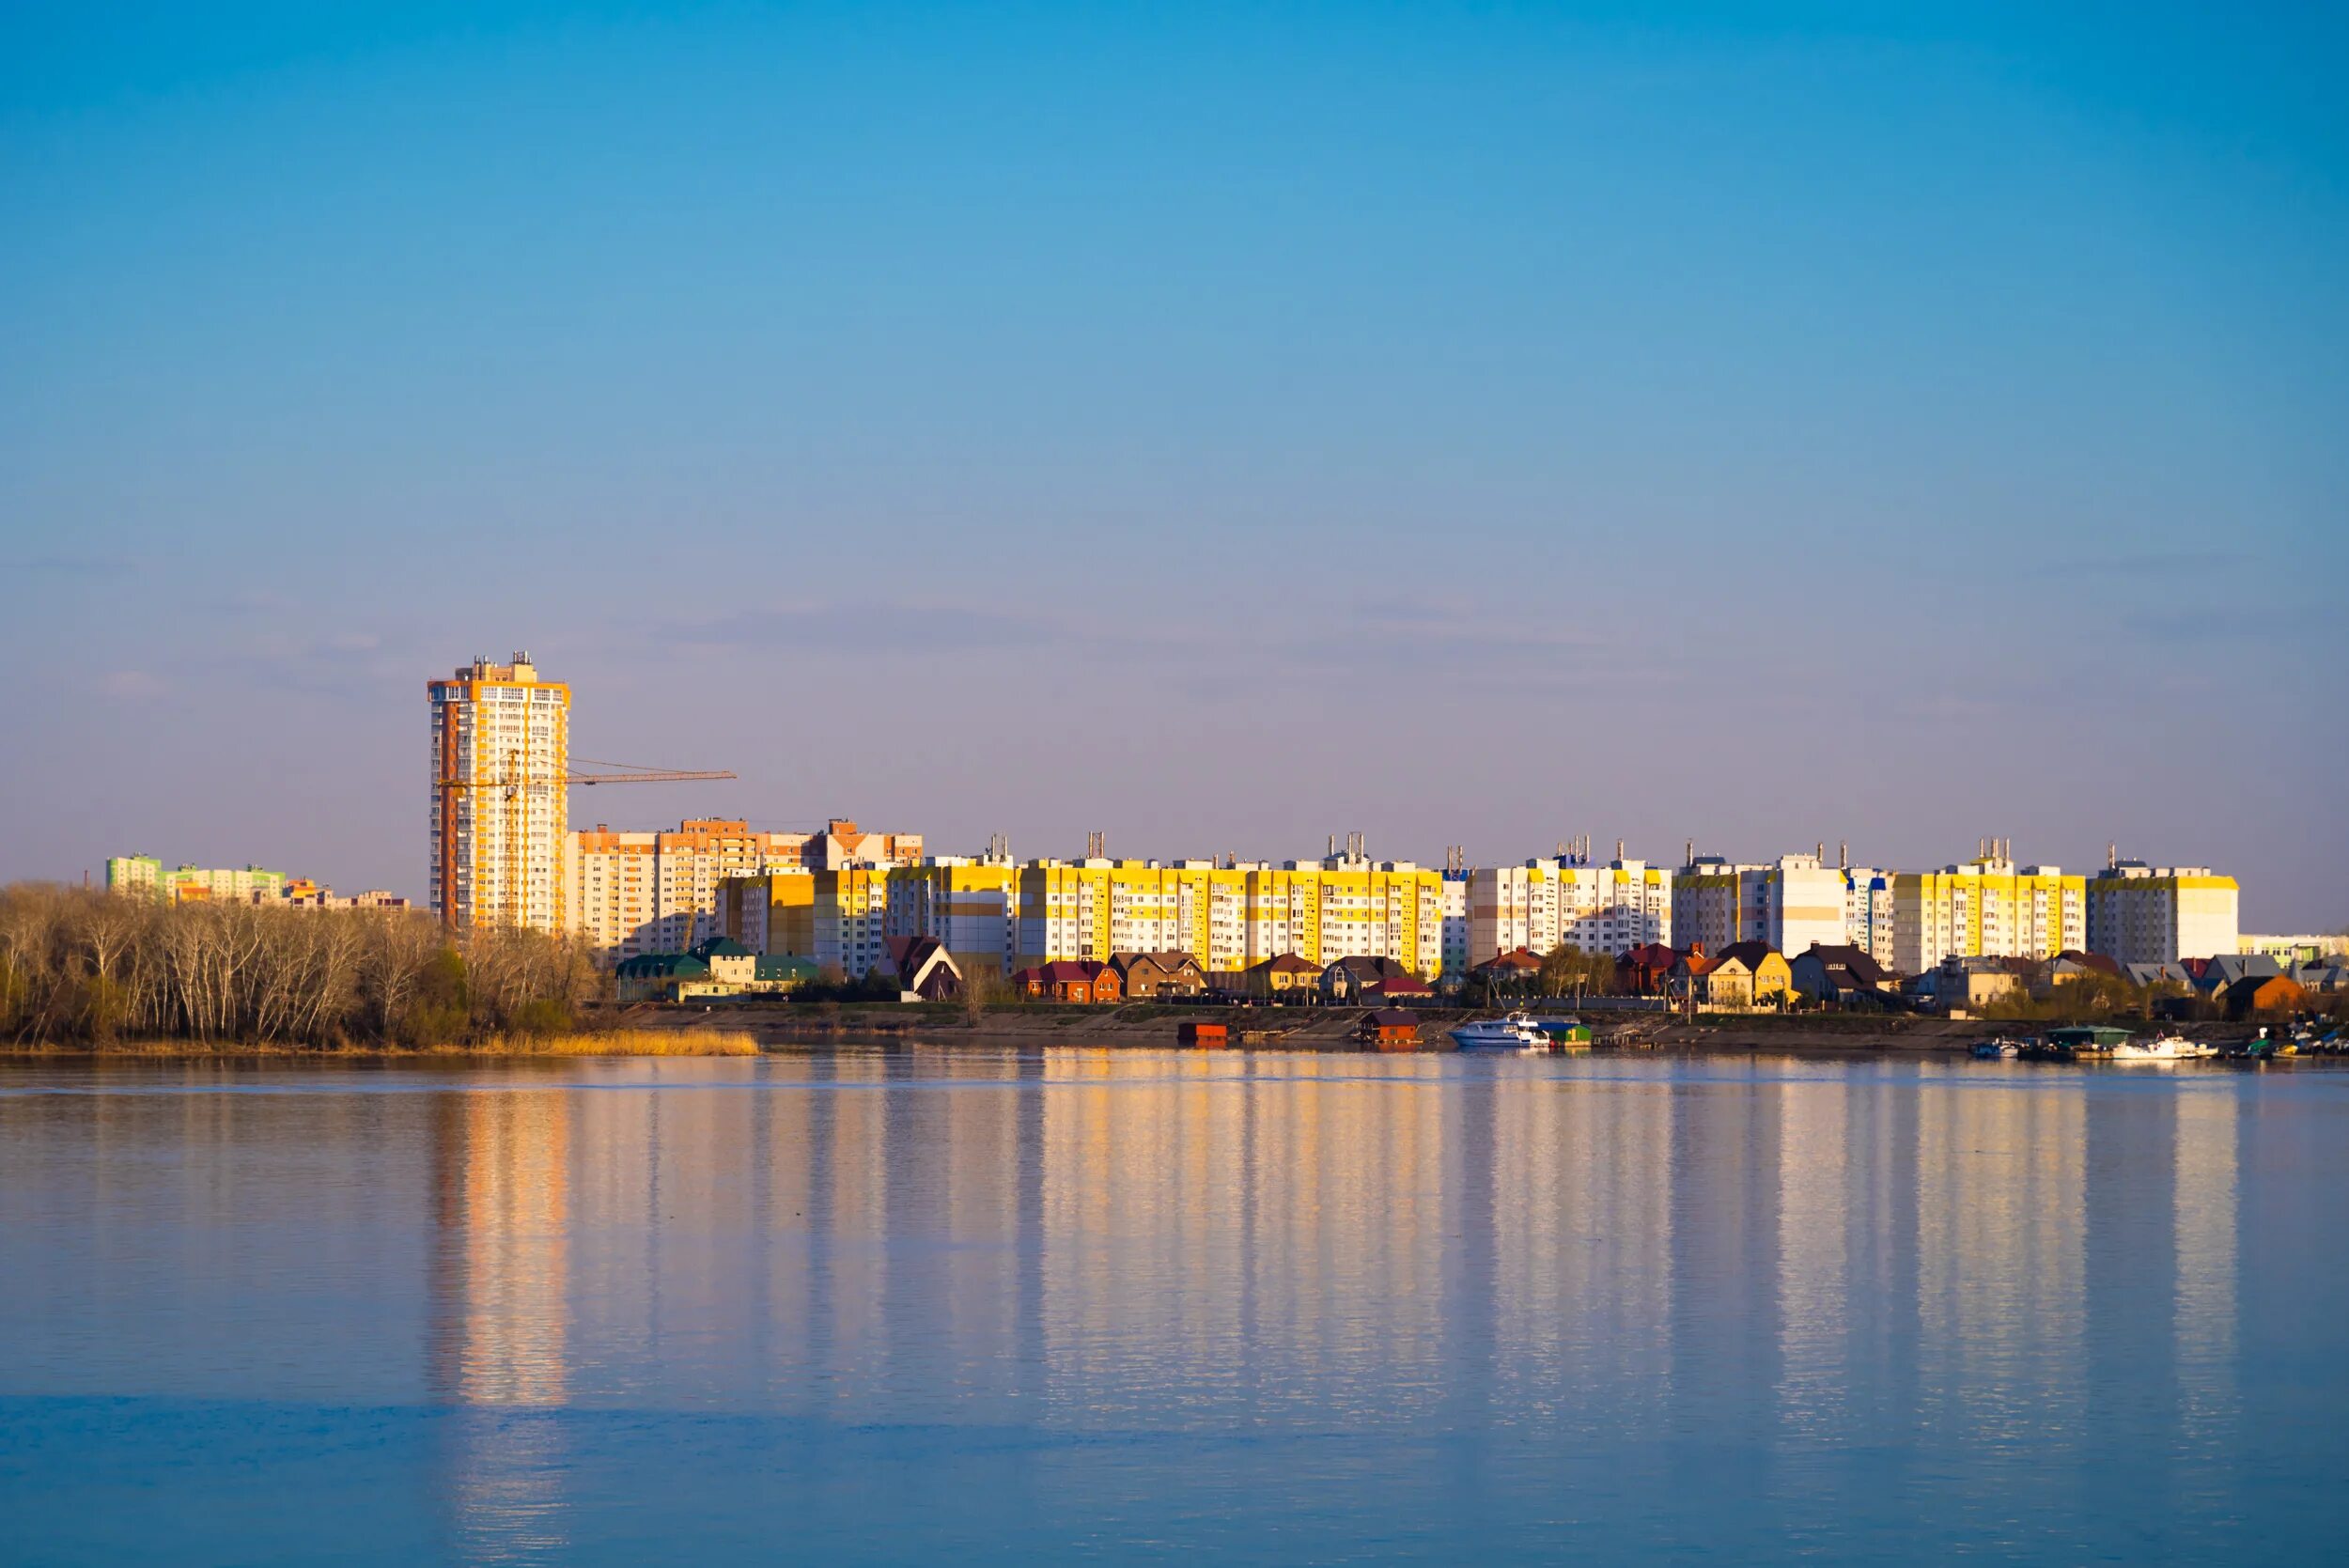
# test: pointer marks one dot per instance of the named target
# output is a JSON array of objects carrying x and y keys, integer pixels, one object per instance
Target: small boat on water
[
  {"x": 2259, "y": 1048},
  {"x": 1993, "y": 1049},
  {"x": 1514, "y": 1031},
  {"x": 2165, "y": 1048},
  {"x": 2070, "y": 1045}
]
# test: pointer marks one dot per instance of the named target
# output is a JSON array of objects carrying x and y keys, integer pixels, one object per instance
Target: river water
[{"x": 919, "y": 1305}]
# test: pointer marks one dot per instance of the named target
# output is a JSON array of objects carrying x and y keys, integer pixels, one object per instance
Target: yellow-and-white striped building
[
  {"x": 501, "y": 754},
  {"x": 1986, "y": 908},
  {"x": 2143, "y": 914}
]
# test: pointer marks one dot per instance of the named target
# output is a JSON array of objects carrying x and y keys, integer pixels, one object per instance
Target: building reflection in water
[
  {"x": 2207, "y": 1163},
  {"x": 2001, "y": 1180},
  {"x": 1100, "y": 1240},
  {"x": 1814, "y": 1277},
  {"x": 501, "y": 1315}
]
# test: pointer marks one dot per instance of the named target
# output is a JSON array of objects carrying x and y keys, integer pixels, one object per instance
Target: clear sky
[{"x": 1218, "y": 426}]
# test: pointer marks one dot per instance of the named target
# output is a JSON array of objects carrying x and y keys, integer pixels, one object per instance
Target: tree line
[{"x": 83, "y": 967}]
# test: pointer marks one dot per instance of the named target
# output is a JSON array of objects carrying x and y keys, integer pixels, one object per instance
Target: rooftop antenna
[
  {"x": 1619, "y": 850},
  {"x": 2112, "y": 857}
]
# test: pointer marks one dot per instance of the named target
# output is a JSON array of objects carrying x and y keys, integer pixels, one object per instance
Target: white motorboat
[
  {"x": 1514, "y": 1031},
  {"x": 2165, "y": 1048}
]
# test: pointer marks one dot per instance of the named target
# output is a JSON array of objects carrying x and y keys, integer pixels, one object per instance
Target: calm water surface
[{"x": 915, "y": 1305}]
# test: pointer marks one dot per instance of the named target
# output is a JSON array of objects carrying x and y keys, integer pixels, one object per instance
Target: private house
[
  {"x": 2328, "y": 975},
  {"x": 779, "y": 973},
  {"x": 1404, "y": 986},
  {"x": 1284, "y": 978},
  {"x": 2259, "y": 994},
  {"x": 2072, "y": 964},
  {"x": 1838, "y": 975},
  {"x": 2226, "y": 969},
  {"x": 1356, "y": 980},
  {"x": 925, "y": 970},
  {"x": 1155, "y": 975},
  {"x": 2142, "y": 976},
  {"x": 1690, "y": 979},
  {"x": 1108, "y": 985},
  {"x": 717, "y": 968},
  {"x": 729, "y": 962},
  {"x": 1967, "y": 985},
  {"x": 1769, "y": 977},
  {"x": 1514, "y": 970},
  {"x": 1641, "y": 972},
  {"x": 661, "y": 977},
  {"x": 1062, "y": 980}
]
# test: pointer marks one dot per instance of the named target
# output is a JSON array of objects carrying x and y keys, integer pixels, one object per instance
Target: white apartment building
[
  {"x": 627, "y": 893},
  {"x": 1545, "y": 904},
  {"x": 500, "y": 758},
  {"x": 1791, "y": 902},
  {"x": 2143, "y": 914},
  {"x": 1868, "y": 911},
  {"x": 1454, "y": 911}
]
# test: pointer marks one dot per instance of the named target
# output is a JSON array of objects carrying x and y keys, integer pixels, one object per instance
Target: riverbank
[
  {"x": 1155, "y": 1025},
  {"x": 737, "y": 1030},
  {"x": 684, "y": 1038}
]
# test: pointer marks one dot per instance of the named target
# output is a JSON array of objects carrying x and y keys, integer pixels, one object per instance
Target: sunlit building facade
[
  {"x": 500, "y": 756},
  {"x": 2143, "y": 914}
]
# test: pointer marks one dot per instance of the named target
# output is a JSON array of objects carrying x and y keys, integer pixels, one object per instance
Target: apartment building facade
[
  {"x": 627, "y": 893},
  {"x": 500, "y": 759},
  {"x": 144, "y": 876},
  {"x": 2144, "y": 914},
  {"x": 1545, "y": 904},
  {"x": 1986, "y": 908}
]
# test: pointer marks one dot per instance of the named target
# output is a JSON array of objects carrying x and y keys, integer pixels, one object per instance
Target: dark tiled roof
[
  {"x": 1847, "y": 960},
  {"x": 662, "y": 965},
  {"x": 1748, "y": 953},
  {"x": 1399, "y": 985}
]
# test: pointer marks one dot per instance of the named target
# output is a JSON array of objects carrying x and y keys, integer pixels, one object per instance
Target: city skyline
[{"x": 1216, "y": 429}]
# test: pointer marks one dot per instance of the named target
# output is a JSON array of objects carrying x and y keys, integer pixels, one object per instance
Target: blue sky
[{"x": 1218, "y": 426}]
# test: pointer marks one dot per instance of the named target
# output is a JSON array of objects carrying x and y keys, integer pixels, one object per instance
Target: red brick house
[
  {"x": 1163, "y": 973},
  {"x": 1063, "y": 979}
]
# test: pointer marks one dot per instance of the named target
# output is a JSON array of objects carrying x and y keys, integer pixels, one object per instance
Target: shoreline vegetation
[{"x": 84, "y": 969}]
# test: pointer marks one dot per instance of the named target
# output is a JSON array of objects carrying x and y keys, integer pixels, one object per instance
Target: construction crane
[
  {"x": 629, "y": 772},
  {"x": 517, "y": 787}
]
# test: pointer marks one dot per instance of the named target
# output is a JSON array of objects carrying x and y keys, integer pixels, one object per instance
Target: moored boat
[
  {"x": 2163, "y": 1047},
  {"x": 1513, "y": 1031},
  {"x": 1997, "y": 1047}
]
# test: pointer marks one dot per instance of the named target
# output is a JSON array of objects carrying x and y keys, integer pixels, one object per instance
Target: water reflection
[
  {"x": 501, "y": 1321},
  {"x": 1846, "y": 1296}
]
